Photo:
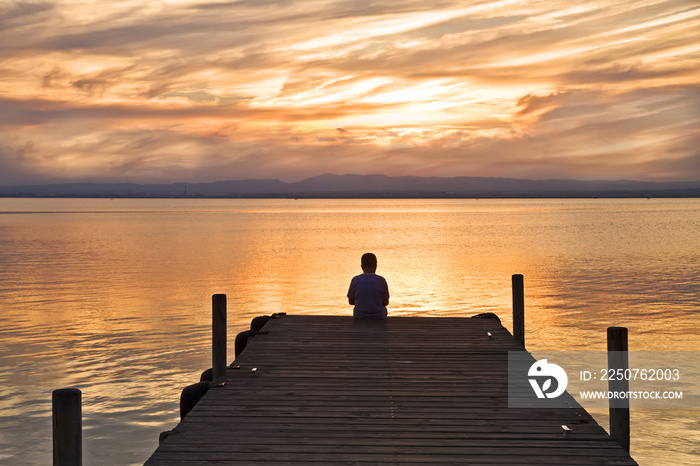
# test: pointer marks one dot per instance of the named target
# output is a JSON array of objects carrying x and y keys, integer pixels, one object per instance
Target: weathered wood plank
[{"x": 333, "y": 390}]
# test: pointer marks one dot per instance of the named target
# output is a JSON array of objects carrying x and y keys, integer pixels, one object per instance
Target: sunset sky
[{"x": 186, "y": 90}]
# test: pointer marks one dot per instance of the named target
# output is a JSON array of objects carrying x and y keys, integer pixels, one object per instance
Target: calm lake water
[{"x": 114, "y": 296}]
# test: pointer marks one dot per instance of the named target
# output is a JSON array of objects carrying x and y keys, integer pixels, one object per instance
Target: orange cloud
[{"x": 196, "y": 91}]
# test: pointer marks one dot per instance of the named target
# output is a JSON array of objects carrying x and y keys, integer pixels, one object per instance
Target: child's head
[{"x": 369, "y": 263}]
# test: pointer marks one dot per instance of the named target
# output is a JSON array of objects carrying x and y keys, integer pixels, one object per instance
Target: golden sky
[{"x": 185, "y": 90}]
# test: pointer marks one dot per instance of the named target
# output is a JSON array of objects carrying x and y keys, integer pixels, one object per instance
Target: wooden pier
[{"x": 332, "y": 390}]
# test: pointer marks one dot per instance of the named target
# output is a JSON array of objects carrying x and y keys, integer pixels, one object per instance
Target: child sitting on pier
[{"x": 369, "y": 292}]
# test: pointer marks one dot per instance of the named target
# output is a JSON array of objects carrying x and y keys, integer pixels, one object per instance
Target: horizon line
[{"x": 328, "y": 174}]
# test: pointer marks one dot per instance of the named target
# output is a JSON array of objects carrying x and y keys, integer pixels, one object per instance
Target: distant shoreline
[
  {"x": 687, "y": 194},
  {"x": 330, "y": 186}
]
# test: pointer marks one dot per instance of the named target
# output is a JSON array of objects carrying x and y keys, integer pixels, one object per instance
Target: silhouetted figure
[{"x": 369, "y": 292}]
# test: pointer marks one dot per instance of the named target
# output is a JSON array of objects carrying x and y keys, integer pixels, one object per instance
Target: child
[{"x": 369, "y": 292}]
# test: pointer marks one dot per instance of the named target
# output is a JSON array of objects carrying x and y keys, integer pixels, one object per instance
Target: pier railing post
[
  {"x": 518, "y": 309},
  {"x": 218, "y": 337},
  {"x": 619, "y": 407},
  {"x": 67, "y": 427}
]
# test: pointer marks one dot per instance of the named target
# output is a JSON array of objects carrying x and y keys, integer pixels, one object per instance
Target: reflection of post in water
[{"x": 619, "y": 407}]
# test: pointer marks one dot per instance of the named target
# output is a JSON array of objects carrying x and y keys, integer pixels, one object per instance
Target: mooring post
[
  {"x": 67, "y": 427},
  {"x": 218, "y": 333},
  {"x": 618, "y": 383},
  {"x": 518, "y": 309}
]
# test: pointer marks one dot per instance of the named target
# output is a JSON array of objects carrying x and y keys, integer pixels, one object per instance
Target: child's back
[{"x": 369, "y": 292}]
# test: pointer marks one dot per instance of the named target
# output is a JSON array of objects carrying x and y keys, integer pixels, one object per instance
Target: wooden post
[
  {"x": 619, "y": 408},
  {"x": 218, "y": 334},
  {"x": 518, "y": 309},
  {"x": 67, "y": 427}
]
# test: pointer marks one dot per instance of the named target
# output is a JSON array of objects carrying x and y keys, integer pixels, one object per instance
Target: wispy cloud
[{"x": 185, "y": 89}]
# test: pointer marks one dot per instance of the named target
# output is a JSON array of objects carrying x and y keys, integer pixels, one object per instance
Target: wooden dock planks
[{"x": 409, "y": 390}]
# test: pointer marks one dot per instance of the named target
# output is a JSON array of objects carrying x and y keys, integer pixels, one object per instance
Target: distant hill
[{"x": 350, "y": 186}]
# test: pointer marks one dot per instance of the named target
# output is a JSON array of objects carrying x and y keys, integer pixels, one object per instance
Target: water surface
[{"x": 113, "y": 296}]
